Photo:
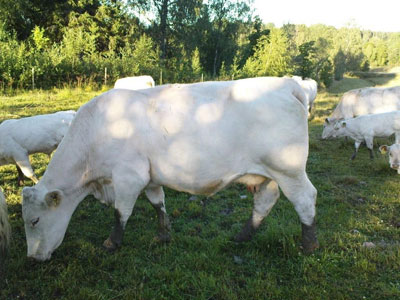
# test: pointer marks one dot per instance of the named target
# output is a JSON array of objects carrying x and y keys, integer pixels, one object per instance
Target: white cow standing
[
  {"x": 38, "y": 134},
  {"x": 362, "y": 101},
  {"x": 135, "y": 82},
  {"x": 197, "y": 138}
]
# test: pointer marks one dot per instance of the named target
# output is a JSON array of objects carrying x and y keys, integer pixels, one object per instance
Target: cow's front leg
[
  {"x": 309, "y": 237},
  {"x": 129, "y": 181},
  {"x": 155, "y": 194},
  {"x": 264, "y": 199}
]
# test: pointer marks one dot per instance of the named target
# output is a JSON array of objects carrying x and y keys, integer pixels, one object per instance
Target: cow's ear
[
  {"x": 344, "y": 124},
  {"x": 53, "y": 198},
  {"x": 383, "y": 149}
]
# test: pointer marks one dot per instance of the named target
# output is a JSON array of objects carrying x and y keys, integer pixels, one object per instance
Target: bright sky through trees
[{"x": 382, "y": 15}]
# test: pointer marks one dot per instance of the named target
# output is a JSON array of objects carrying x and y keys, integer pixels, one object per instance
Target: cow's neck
[{"x": 68, "y": 168}]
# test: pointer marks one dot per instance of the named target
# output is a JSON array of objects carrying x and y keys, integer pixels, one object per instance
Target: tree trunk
[
  {"x": 215, "y": 62},
  {"x": 163, "y": 27}
]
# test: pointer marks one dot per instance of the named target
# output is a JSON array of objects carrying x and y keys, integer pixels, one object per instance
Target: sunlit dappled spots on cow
[
  {"x": 136, "y": 108},
  {"x": 121, "y": 129},
  {"x": 250, "y": 92},
  {"x": 291, "y": 156},
  {"x": 209, "y": 112},
  {"x": 179, "y": 159},
  {"x": 117, "y": 108}
]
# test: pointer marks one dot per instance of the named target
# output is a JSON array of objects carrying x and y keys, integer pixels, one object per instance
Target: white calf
[{"x": 365, "y": 128}]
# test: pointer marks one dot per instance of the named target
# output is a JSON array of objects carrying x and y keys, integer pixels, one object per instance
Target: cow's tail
[
  {"x": 5, "y": 231},
  {"x": 299, "y": 93}
]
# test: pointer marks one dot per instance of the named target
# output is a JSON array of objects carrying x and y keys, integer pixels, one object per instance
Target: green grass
[{"x": 358, "y": 201}]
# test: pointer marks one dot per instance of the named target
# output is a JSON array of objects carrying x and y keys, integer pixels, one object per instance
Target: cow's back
[
  {"x": 206, "y": 131},
  {"x": 368, "y": 101}
]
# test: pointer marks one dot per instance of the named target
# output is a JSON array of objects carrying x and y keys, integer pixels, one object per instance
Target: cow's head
[
  {"x": 46, "y": 216},
  {"x": 394, "y": 155},
  {"x": 329, "y": 124},
  {"x": 339, "y": 129}
]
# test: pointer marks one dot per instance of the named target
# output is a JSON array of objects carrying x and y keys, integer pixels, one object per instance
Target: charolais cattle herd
[{"x": 141, "y": 137}]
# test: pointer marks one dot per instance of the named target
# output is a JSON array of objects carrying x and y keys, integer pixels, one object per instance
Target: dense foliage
[{"x": 92, "y": 42}]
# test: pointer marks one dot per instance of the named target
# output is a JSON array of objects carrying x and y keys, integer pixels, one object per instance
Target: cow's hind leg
[
  {"x": 24, "y": 166},
  {"x": 128, "y": 181},
  {"x": 155, "y": 194},
  {"x": 300, "y": 191},
  {"x": 20, "y": 176},
  {"x": 264, "y": 199},
  {"x": 356, "y": 147},
  {"x": 369, "y": 142}
]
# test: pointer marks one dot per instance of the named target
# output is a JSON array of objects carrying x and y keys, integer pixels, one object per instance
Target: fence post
[
  {"x": 202, "y": 77},
  {"x": 161, "y": 77},
  {"x": 105, "y": 76},
  {"x": 33, "y": 78}
]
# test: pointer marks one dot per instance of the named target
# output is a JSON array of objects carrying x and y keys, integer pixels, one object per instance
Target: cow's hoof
[
  {"x": 163, "y": 238},
  {"x": 310, "y": 247},
  {"x": 109, "y": 245}
]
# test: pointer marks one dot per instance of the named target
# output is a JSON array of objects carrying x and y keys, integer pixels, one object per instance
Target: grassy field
[{"x": 358, "y": 201}]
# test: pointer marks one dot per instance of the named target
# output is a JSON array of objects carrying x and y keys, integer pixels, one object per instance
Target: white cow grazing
[
  {"x": 394, "y": 155},
  {"x": 38, "y": 134},
  {"x": 135, "y": 83},
  {"x": 5, "y": 230},
  {"x": 310, "y": 88},
  {"x": 197, "y": 138},
  {"x": 366, "y": 127},
  {"x": 363, "y": 101}
]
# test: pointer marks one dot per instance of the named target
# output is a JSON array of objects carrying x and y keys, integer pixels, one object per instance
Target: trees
[
  {"x": 271, "y": 57},
  {"x": 74, "y": 41},
  {"x": 305, "y": 61},
  {"x": 339, "y": 64}
]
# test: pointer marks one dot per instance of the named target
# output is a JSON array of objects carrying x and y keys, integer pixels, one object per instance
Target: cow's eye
[{"x": 35, "y": 221}]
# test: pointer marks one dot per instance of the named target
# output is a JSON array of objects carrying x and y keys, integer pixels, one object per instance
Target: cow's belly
[
  {"x": 212, "y": 186},
  {"x": 206, "y": 177}
]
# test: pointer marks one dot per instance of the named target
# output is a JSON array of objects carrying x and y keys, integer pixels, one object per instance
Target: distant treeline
[{"x": 50, "y": 43}]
